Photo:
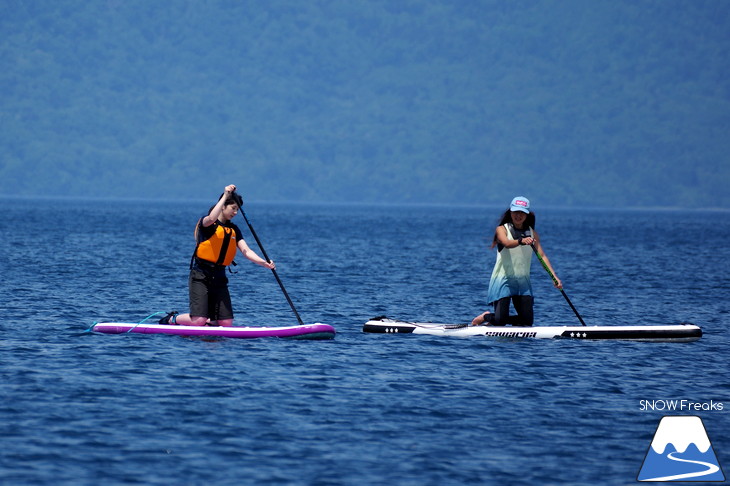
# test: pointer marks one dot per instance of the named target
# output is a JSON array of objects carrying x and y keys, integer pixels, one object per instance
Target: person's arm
[
  {"x": 216, "y": 211},
  {"x": 252, "y": 256},
  {"x": 538, "y": 248},
  {"x": 504, "y": 240}
]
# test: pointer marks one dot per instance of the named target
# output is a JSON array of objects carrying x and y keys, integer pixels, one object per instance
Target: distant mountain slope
[{"x": 571, "y": 103}]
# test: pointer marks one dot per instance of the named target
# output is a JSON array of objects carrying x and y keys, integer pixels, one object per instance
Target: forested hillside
[{"x": 608, "y": 103}]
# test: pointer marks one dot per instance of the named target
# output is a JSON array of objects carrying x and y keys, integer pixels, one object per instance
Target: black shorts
[{"x": 209, "y": 296}]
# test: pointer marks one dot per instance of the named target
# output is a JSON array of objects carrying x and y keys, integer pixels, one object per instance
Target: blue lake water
[{"x": 83, "y": 408}]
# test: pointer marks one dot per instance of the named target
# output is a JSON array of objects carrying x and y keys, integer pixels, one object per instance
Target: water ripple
[{"x": 81, "y": 408}]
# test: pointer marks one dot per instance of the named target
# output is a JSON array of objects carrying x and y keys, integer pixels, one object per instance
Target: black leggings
[{"x": 523, "y": 306}]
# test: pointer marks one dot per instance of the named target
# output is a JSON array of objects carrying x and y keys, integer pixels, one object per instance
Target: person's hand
[
  {"x": 230, "y": 188},
  {"x": 528, "y": 240},
  {"x": 270, "y": 265},
  {"x": 558, "y": 284}
]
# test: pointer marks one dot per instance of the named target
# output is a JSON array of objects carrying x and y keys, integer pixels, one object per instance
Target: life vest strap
[{"x": 224, "y": 247}]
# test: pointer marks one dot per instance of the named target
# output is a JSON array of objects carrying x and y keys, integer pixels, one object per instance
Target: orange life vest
[{"x": 220, "y": 248}]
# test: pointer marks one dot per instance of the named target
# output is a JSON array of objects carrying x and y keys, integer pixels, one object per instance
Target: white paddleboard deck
[{"x": 671, "y": 333}]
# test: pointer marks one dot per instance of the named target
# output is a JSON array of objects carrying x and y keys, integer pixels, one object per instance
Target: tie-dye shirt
[{"x": 511, "y": 274}]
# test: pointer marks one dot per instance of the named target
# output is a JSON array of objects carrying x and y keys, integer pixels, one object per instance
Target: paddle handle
[
  {"x": 555, "y": 281},
  {"x": 273, "y": 270}
]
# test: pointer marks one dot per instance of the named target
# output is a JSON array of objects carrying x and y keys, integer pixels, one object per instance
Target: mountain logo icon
[{"x": 681, "y": 451}]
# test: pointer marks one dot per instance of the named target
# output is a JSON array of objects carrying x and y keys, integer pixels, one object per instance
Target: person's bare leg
[{"x": 188, "y": 320}]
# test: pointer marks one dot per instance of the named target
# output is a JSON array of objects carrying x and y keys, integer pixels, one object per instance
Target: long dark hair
[
  {"x": 507, "y": 218},
  {"x": 233, "y": 198}
]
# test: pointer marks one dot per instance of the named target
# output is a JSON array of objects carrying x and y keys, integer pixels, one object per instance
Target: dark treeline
[{"x": 618, "y": 103}]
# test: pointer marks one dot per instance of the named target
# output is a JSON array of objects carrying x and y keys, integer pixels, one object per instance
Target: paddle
[
  {"x": 268, "y": 260},
  {"x": 555, "y": 281}
]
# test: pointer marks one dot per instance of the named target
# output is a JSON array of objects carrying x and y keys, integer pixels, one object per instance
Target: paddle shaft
[
  {"x": 555, "y": 281},
  {"x": 273, "y": 270}
]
